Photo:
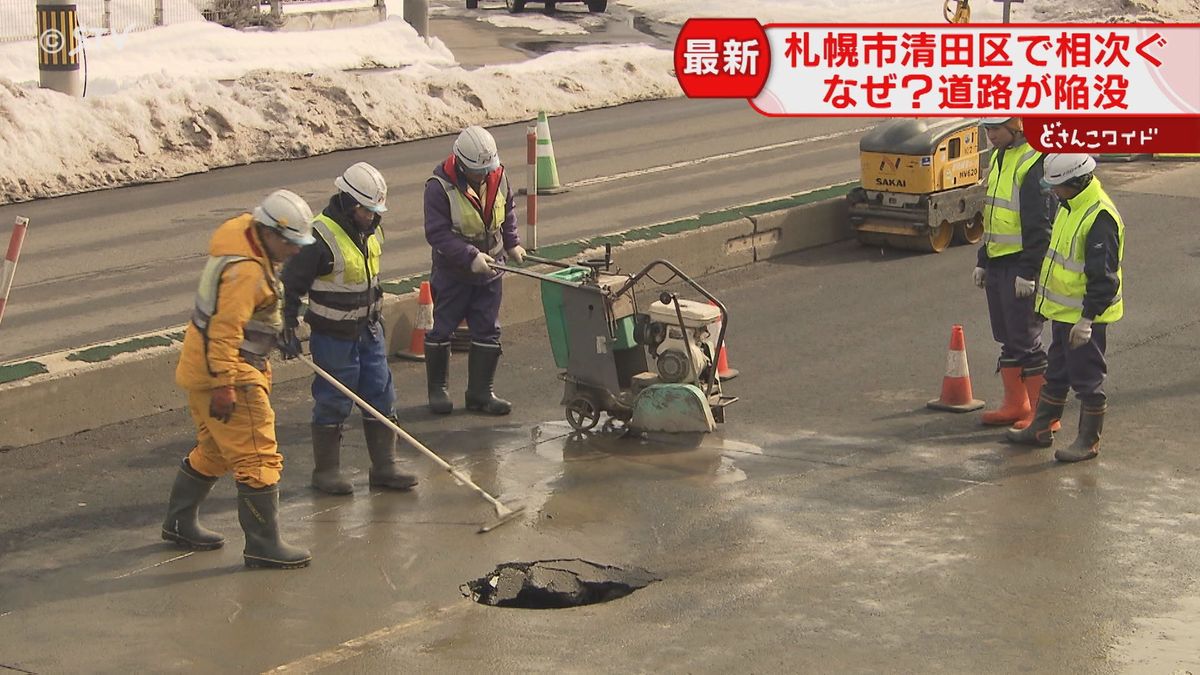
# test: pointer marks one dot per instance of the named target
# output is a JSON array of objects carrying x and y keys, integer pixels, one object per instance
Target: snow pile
[
  {"x": 166, "y": 126},
  {"x": 543, "y": 24},
  {"x": 1147, "y": 11},
  {"x": 202, "y": 49}
]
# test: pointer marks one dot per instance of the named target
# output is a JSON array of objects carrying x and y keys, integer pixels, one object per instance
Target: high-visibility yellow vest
[
  {"x": 1063, "y": 282},
  {"x": 350, "y": 292},
  {"x": 1002, "y": 204},
  {"x": 260, "y": 332},
  {"x": 468, "y": 223}
]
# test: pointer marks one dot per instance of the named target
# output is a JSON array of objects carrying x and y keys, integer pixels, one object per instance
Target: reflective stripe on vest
[
  {"x": 1063, "y": 281},
  {"x": 350, "y": 292},
  {"x": 1002, "y": 204},
  {"x": 260, "y": 332},
  {"x": 468, "y": 224}
]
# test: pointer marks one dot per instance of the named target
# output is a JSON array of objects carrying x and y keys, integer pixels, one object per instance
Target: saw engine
[{"x": 682, "y": 343}]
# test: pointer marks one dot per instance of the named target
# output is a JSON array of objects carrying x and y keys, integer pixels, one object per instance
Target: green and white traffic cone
[{"x": 547, "y": 170}]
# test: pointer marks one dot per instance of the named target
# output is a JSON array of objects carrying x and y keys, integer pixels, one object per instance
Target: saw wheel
[{"x": 582, "y": 414}]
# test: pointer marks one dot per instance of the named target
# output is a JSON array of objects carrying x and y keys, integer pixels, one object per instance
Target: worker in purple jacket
[{"x": 470, "y": 222}]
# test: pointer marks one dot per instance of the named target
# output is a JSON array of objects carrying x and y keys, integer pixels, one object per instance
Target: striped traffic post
[
  {"x": 58, "y": 47},
  {"x": 10, "y": 261},
  {"x": 531, "y": 188}
]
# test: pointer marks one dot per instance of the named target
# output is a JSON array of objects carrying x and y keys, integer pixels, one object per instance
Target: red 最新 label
[
  {"x": 1118, "y": 134},
  {"x": 722, "y": 58}
]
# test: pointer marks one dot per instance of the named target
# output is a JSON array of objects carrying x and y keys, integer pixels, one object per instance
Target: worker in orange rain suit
[{"x": 225, "y": 369}]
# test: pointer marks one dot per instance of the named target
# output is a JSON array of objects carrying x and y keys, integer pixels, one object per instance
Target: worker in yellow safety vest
[
  {"x": 340, "y": 276},
  {"x": 224, "y": 366},
  {"x": 1016, "y": 232},
  {"x": 1080, "y": 290}
]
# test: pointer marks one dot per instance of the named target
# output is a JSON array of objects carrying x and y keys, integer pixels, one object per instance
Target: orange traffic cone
[
  {"x": 723, "y": 370},
  {"x": 956, "y": 385},
  {"x": 424, "y": 322}
]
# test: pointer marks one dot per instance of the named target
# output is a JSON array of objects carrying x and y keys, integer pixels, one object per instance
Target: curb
[{"x": 133, "y": 377}]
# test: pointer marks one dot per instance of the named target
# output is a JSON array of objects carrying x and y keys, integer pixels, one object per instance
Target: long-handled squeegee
[{"x": 503, "y": 513}]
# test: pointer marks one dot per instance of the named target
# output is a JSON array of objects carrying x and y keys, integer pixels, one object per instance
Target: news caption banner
[{"x": 1097, "y": 88}]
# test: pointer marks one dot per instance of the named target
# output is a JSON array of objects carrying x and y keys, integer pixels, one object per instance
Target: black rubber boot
[
  {"x": 481, "y": 376},
  {"x": 381, "y": 445},
  {"x": 182, "y": 525},
  {"x": 1087, "y": 443},
  {"x": 258, "y": 512},
  {"x": 327, "y": 450},
  {"x": 437, "y": 376},
  {"x": 1040, "y": 431}
]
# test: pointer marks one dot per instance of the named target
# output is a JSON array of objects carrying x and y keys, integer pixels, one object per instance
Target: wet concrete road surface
[{"x": 832, "y": 525}]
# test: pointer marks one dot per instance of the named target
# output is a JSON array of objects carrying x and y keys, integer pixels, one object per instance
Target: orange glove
[{"x": 223, "y": 403}]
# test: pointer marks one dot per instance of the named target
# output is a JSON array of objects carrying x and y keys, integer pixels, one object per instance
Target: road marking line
[
  {"x": 713, "y": 158},
  {"x": 355, "y": 646}
]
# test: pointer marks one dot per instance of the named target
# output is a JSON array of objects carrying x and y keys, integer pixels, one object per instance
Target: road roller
[{"x": 922, "y": 185}]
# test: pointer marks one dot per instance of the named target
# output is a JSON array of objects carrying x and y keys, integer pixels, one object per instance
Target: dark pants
[
  {"x": 1015, "y": 325},
  {"x": 454, "y": 300},
  {"x": 1082, "y": 369},
  {"x": 359, "y": 364}
]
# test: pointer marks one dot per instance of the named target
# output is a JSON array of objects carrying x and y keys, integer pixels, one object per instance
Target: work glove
[
  {"x": 289, "y": 343},
  {"x": 1081, "y": 333},
  {"x": 1025, "y": 287},
  {"x": 517, "y": 253},
  {"x": 482, "y": 264},
  {"x": 979, "y": 277},
  {"x": 223, "y": 403}
]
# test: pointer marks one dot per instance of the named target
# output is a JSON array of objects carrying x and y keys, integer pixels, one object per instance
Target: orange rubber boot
[
  {"x": 1033, "y": 388},
  {"x": 1016, "y": 400}
]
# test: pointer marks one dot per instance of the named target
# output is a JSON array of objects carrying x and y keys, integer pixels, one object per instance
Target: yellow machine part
[
  {"x": 955, "y": 164},
  {"x": 957, "y": 11},
  {"x": 920, "y": 184},
  {"x": 896, "y": 234}
]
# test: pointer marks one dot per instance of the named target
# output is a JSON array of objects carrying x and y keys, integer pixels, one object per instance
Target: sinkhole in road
[{"x": 555, "y": 584}]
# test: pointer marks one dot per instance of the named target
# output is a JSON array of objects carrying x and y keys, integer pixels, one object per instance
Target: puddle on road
[
  {"x": 706, "y": 457},
  {"x": 1163, "y": 644},
  {"x": 561, "y": 465},
  {"x": 555, "y": 584}
]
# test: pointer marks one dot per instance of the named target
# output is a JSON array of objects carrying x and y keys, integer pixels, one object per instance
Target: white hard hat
[
  {"x": 288, "y": 214},
  {"x": 364, "y": 182},
  {"x": 476, "y": 149},
  {"x": 1011, "y": 123},
  {"x": 1060, "y": 168}
]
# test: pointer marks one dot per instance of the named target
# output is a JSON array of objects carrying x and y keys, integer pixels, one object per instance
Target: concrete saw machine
[{"x": 646, "y": 368}]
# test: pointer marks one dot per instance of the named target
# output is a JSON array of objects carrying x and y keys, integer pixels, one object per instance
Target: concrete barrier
[
  {"x": 61, "y": 394},
  {"x": 781, "y": 232}
]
